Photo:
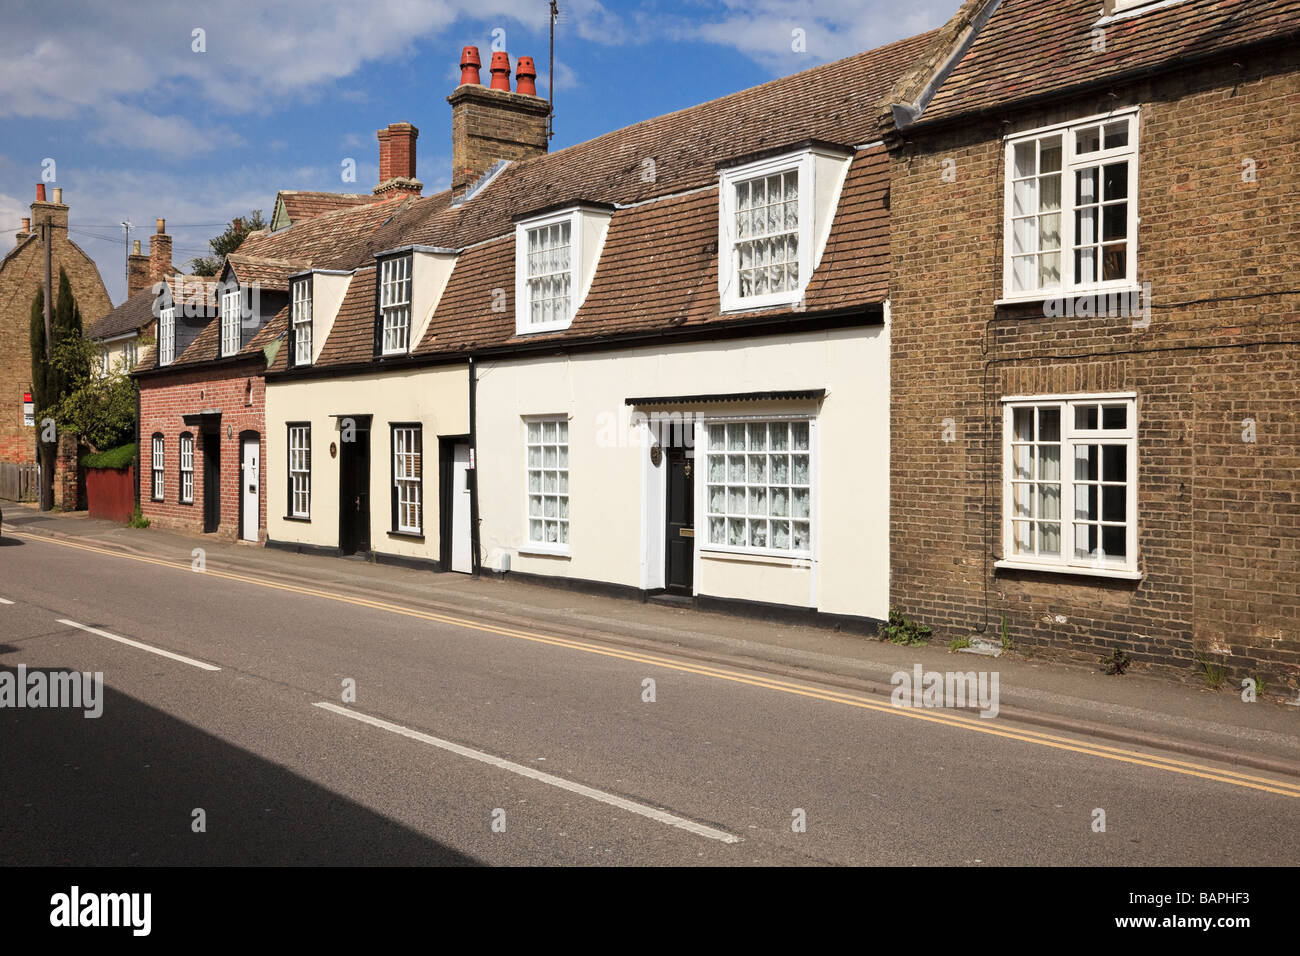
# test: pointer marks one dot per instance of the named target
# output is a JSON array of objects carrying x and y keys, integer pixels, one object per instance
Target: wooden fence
[{"x": 18, "y": 482}]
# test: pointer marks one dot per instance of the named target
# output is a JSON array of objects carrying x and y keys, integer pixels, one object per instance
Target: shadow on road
[{"x": 121, "y": 790}]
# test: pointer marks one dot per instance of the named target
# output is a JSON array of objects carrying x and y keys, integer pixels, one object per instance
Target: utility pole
[
  {"x": 47, "y": 236},
  {"x": 126, "y": 253},
  {"x": 550, "y": 88}
]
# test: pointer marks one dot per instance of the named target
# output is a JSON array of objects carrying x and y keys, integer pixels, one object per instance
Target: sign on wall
[{"x": 29, "y": 410}]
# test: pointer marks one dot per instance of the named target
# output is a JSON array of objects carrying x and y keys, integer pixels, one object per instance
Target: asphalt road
[{"x": 483, "y": 744}]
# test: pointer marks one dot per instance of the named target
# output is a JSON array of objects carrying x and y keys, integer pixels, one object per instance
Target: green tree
[
  {"x": 228, "y": 241},
  {"x": 53, "y": 379},
  {"x": 98, "y": 408}
]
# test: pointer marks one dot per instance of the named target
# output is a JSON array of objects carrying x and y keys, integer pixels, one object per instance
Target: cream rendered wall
[
  {"x": 615, "y": 505},
  {"x": 327, "y": 292},
  {"x": 437, "y": 397}
]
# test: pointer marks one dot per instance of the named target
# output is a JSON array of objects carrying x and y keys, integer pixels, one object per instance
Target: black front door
[
  {"x": 211, "y": 481},
  {"x": 680, "y": 529},
  {"x": 354, "y": 493}
]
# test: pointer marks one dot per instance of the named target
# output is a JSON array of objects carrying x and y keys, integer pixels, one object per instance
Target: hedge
[{"x": 119, "y": 457}]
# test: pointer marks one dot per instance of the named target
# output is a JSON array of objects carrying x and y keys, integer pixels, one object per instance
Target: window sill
[
  {"x": 543, "y": 329},
  {"x": 541, "y": 550},
  {"x": 410, "y": 535},
  {"x": 299, "y": 518},
  {"x": 767, "y": 556},
  {"x": 1038, "y": 298},
  {"x": 187, "y": 504},
  {"x": 1116, "y": 573},
  {"x": 755, "y": 303}
]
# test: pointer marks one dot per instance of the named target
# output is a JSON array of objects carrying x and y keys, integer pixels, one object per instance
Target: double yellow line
[{"x": 977, "y": 725}]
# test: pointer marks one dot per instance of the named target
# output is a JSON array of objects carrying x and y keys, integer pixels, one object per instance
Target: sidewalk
[{"x": 1134, "y": 708}]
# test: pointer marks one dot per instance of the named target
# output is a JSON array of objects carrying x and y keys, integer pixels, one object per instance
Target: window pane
[
  {"x": 1049, "y": 538},
  {"x": 1085, "y": 462},
  {"x": 1049, "y": 463},
  {"x": 1113, "y": 503},
  {"x": 1023, "y": 424},
  {"x": 1114, "y": 541},
  {"x": 1026, "y": 156},
  {"x": 1085, "y": 417},
  {"x": 1085, "y": 502},
  {"x": 1021, "y": 464},
  {"x": 1117, "y": 134},
  {"x": 1114, "y": 262},
  {"x": 1114, "y": 463},
  {"x": 1115, "y": 181},
  {"x": 1049, "y": 501},
  {"x": 1021, "y": 499},
  {"x": 1114, "y": 416},
  {"x": 1049, "y": 157},
  {"x": 1049, "y": 424},
  {"x": 1114, "y": 222},
  {"x": 1088, "y": 140}
]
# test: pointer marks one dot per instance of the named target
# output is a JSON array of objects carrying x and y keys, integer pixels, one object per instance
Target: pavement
[{"x": 477, "y": 698}]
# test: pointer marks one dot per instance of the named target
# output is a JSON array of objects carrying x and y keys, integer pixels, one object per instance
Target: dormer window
[
  {"x": 1112, "y": 7},
  {"x": 549, "y": 274},
  {"x": 395, "y": 305},
  {"x": 773, "y": 218},
  {"x": 166, "y": 336},
  {"x": 302, "y": 295},
  {"x": 555, "y": 261},
  {"x": 230, "y": 322}
]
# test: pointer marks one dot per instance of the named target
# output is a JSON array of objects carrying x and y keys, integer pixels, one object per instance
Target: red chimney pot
[
  {"x": 526, "y": 76},
  {"x": 469, "y": 66},
  {"x": 40, "y": 192},
  {"x": 501, "y": 71}
]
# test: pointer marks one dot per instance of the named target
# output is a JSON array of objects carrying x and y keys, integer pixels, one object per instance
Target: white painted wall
[
  {"x": 437, "y": 397},
  {"x": 615, "y": 530}
]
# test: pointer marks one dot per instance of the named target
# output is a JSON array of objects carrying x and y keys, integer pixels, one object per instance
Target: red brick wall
[
  {"x": 1218, "y": 518},
  {"x": 164, "y": 401}
]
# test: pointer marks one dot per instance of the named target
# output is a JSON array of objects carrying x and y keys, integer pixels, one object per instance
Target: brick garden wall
[
  {"x": 1218, "y": 518},
  {"x": 164, "y": 401}
]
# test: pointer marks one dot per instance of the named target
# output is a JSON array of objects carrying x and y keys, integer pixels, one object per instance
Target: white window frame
[
  {"x": 802, "y": 163},
  {"x": 395, "y": 305},
  {"x": 130, "y": 354},
  {"x": 704, "y": 512},
  {"x": 302, "y": 321},
  {"x": 563, "y": 491},
  {"x": 187, "y": 469},
  {"x": 1070, "y": 437},
  {"x": 1071, "y": 162},
  {"x": 409, "y": 485},
  {"x": 230, "y": 316},
  {"x": 167, "y": 336},
  {"x": 300, "y": 471},
  {"x": 157, "y": 451}
]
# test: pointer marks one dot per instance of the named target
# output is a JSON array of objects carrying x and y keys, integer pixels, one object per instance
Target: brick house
[
  {"x": 202, "y": 395},
  {"x": 1094, "y": 300},
  {"x": 121, "y": 333},
  {"x": 22, "y": 272}
]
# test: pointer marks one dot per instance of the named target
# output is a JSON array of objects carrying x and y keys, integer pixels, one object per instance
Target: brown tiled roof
[
  {"x": 1035, "y": 47},
  {"x": 272, "y": 274},
  {"x": 658, "y": 268},
  {"x": 836, "y": 102},
  {"x": 131, "y": 316},
  {"x": 301, "y": 205},
  {"x": 137, "y": 312},
  {"x": 658, "y": 271},
  {"x": 334, "y": 240}
]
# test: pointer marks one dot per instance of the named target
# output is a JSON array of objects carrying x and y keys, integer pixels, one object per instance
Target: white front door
[
  {"x": 460, "y": 544},
  {"x": 251, "y": 490}
]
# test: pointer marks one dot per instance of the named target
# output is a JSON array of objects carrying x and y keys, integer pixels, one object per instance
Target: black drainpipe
[
  {"x": 138, "y": 456},
  {"x": 475, "y": 566}
]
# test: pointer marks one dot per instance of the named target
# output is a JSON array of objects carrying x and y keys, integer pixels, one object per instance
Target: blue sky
[{"x": 139, "y": 125}]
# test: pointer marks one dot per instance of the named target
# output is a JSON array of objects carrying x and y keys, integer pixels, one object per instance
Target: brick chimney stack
[
  {"x": 24, "y": 228},
  {"x": 489, "y": 124},
  {"x": 397, "y": 161},
  {"x": 53, "y": 212},
  {"x": 137, "y": 271},
  {"x": 160, "y": 253}
]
